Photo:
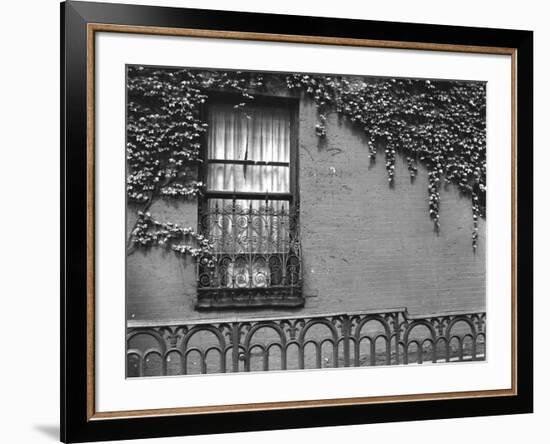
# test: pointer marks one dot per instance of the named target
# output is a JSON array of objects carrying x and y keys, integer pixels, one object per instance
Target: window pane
[
  {"x": 250, "y": 133},
  {"x": 247, "y": 226},
  {"x": 254, "y": 244},
  {"x": 248, "y": 178}
]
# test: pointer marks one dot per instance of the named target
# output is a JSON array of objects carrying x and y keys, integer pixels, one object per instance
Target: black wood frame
[{"x": 75, "y": 423}]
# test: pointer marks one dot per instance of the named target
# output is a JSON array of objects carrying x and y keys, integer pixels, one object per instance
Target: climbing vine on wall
[
  {"x": 163, "y": 146},
  {"x": 440, "y": 124},
  {"x": 148, "y": 231}
]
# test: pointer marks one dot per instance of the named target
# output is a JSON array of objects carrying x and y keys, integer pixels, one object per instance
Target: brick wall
[{"x": 365, "y": 245}]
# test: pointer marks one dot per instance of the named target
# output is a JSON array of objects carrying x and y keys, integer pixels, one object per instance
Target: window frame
[{"x": 219, "y": 299}]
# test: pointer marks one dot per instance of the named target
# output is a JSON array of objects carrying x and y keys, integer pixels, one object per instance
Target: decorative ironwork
[
  {"x": 333, "y": 340},
  {"x": 256, "y": 255}
]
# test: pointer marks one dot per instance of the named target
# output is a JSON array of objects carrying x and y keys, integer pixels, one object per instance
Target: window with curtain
[{"x": 249, "y": 211}]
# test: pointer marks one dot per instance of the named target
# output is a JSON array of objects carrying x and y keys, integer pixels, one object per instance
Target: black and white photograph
[
  {"x": 282, "y": 221},
  {"x": 275, "y": 222}
]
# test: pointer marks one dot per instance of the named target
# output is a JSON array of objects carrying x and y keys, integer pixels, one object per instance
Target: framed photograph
[{"x": 275, "y": 221}]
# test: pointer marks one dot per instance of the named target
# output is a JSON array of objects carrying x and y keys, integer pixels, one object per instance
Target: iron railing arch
[{"x": 289, "y": 342}]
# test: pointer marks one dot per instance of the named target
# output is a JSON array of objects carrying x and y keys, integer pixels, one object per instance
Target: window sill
[{"x": 239, "y": 298}]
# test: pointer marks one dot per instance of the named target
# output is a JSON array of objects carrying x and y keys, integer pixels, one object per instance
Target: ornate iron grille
[
  {"x": 332, "y": 340},
  {"x": 256, "y": 255}
]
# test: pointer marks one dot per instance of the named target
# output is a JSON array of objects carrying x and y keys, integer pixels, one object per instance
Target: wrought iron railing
[
  {"x": 317, "y": 341},
  {"x": 256, "y": 257}
]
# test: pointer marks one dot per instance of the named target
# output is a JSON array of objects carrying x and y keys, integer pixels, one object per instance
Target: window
[{"x": 250, "y": 209}]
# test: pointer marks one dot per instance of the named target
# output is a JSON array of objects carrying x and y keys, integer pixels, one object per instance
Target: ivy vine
[
  {"x": 440, "y": 124},
  {"x": 163, "y": 146},
  {"x": 148, "y": 231}
]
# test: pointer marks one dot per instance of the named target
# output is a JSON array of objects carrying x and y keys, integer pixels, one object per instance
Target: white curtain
[{"x": 260, "y": 134}]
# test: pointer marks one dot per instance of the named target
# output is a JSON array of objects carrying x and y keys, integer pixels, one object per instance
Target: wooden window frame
[{"x": 243, "y": 298}]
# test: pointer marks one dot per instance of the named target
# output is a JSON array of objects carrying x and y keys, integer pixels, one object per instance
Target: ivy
[
  {"x": 164, "y": 127},
  {"x": 149, "y": 232},
  {"x": 163, "y": 147},
  {"x": 440, "y": 124}
]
